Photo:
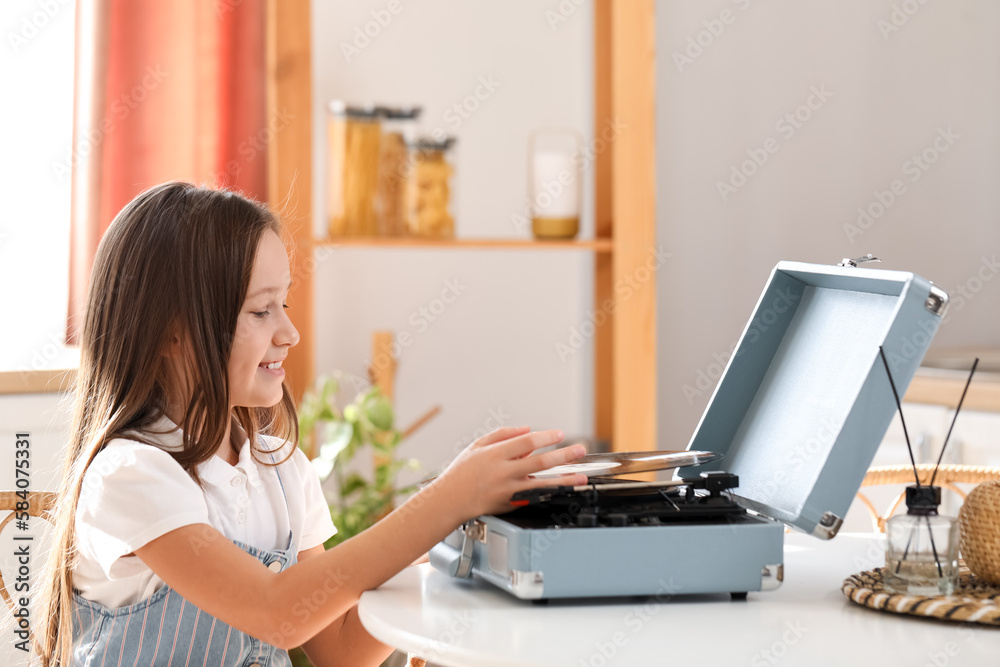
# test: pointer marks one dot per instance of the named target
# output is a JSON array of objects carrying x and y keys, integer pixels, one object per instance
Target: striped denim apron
[{"x": 167, "y": 630}]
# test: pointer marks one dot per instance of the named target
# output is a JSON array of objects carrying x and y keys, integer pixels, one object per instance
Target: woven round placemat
[{"x": 974, "y": 600}]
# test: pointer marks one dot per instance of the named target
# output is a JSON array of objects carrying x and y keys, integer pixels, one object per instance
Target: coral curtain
[{"x": 165, "y": 90}]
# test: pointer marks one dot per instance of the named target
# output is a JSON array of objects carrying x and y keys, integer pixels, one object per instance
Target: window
[{"x": 36, "y": 125}]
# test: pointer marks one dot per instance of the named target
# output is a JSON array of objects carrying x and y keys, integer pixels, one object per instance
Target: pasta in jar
[
  {"x": 428, "y": 189},
  {"x": 354, "y": 141}
]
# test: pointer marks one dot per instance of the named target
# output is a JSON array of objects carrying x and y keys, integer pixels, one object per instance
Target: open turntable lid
[{"x": 804, "y": 401}]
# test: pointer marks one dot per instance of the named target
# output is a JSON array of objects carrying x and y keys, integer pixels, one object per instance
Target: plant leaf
[
  {"x": 337, "y": 436},
  {"x": 353, "y": 484},
  {"x": 322, "y": 466}
]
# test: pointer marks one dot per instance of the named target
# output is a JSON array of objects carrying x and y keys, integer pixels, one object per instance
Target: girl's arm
[
  {"x": 345, "y": 641},
  {"x": 288, "y": 608}
]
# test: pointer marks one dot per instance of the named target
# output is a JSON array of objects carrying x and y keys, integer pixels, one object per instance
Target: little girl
[{"x": 190, "y": 528}]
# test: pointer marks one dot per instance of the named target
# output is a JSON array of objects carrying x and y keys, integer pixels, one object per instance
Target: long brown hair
[{"x": 177, "y": 258}]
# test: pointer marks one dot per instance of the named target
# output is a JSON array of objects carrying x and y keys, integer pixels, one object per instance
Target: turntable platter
[{"x": 626, "y": 463}]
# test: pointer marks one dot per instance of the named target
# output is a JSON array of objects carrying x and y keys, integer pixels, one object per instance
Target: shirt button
[
  {"x": 242, "y": 517},
  {"x": 236, "y": 481},
  {"x": 275, "y": 566}
]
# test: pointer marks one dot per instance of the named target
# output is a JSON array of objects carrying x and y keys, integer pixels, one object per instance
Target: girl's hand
[{"x": 484, "y": 476}]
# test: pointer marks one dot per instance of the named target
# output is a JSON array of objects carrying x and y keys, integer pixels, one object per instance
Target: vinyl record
[{"x": 626, "y": 463}]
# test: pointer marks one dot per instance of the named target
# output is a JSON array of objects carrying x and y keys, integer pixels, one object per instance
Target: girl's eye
[
  {"x": 260, "y": 314},
  {"x": 285, "y": 306}
]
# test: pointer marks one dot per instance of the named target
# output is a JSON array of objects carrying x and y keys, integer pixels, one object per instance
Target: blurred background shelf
[
  {"x": 624, "y": 206},
  {"x": 942, "y": 376}
]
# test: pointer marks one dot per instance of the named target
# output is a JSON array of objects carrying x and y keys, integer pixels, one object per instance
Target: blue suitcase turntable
[{"x": 787, "y": 436}]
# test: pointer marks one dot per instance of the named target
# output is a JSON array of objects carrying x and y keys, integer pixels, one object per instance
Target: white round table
[{"x": 807, "y": 621}]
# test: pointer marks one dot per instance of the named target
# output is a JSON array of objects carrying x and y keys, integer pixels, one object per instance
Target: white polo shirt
[{"x": 133, "y": 493}]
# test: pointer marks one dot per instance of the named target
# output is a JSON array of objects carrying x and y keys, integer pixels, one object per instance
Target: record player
[{"x": 786, "y": 439}]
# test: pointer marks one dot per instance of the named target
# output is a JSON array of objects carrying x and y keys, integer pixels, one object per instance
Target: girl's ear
[{"x": 174, "y": 347}]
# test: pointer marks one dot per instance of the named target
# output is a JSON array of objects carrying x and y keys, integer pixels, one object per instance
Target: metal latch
[
  {"x": 473, "y": 530},
  {"x": 847, "y": 261}
]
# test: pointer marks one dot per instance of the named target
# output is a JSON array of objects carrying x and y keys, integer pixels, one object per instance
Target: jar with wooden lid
[
  {"x": 429, "y": 187},
  {"x": 354, "y": 140},
  {"x": 399, "y": 126}
]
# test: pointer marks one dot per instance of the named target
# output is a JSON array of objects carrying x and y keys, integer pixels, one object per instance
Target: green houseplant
[{"x": 334, "y": 437}]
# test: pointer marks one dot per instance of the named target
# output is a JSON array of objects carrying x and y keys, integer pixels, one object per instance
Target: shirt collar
[{"x": 169, "y": 436}]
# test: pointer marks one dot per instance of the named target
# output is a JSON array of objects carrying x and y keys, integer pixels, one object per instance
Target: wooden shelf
[
  {"x": 934, "y": 386},
  {"x": 592, "y": 245},
  {"x": 625, "y": 406},
  {"x": 37, "y": 382}
]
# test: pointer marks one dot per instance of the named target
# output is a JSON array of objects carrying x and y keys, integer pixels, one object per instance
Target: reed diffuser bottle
[
  {"x": 921, "y": 555},
  {"x": 921, "y": 552}
]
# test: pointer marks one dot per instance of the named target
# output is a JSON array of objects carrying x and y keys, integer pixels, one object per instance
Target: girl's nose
[{"x": 286, "y": 334}]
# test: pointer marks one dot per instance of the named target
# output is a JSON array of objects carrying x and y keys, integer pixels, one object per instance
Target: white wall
[
  {"x": 493, "y": 348},
  {"x": 889, "y": 96}
]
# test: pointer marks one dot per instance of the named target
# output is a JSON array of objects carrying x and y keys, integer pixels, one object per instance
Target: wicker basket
[{"x": 979, "y": 523}]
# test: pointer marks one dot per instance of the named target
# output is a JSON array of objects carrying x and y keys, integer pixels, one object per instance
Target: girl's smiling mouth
[{"x": 273, "y": 366}]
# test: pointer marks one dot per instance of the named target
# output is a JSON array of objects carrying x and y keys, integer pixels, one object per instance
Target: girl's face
[{"x": 263, "y": 331}]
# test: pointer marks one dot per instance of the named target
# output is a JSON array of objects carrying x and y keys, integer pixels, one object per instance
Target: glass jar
[
  {"x": 354, "y": 136},
  {"x": 555, "y": 183},
  {"x": 428, "y": 187},
  {"x": 921, "y": 556},
  {"x": 398, "y": 128}
]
